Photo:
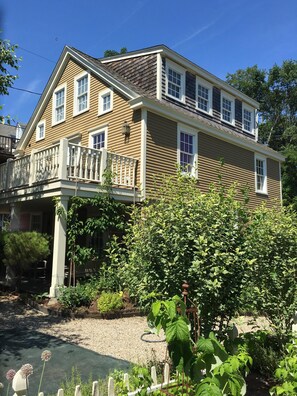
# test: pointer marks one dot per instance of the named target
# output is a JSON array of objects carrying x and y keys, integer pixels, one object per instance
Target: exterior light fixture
[{"x": 126, "y": 129}]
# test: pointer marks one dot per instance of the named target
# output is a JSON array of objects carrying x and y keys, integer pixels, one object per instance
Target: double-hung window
[
  {"x": 105, "y": 101},
  {"x": 261, "y": 174},
  {"x": 248, "y": 119},
  {"x": 82, "y": 89},
  {"x": 227, "y": 108},
  {"x": 175, "y": 81},
  {"x": 204, "y": 96},
  {"x": 59, "y": 104},
  {"x": 187, "y": 151},
  {"x": 40, "y": 130}
]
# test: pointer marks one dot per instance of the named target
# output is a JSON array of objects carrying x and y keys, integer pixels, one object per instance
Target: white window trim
[
  {"x": 232, "y": 99},
  {"x": 75, "y": 104},
  {"x": 100, "y": 101},
  {"x": 182, "y": 71},
  {"x": 264, "y": 159},
  {"x": 204, "y": 83},
  {"x": 94, "y": 131},
  {"x": 248, "y": 108},
  {"x": 194, "y": 133},
  {"x": 41, "y": 122},
  {"x": 59, "y": 88}
]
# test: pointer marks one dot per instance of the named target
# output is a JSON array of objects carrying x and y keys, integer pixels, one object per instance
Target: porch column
[
  {"x": 15, "y": 217},
  {"x": 59, "y": 252}
]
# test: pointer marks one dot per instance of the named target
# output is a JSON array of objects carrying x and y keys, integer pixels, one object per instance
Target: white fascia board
[
  {"x": 134, "y": 54},
  {"x": 175, "y": 115},
  {"x": 208, "y": 76},
  {"x": 67, "y": 54}
]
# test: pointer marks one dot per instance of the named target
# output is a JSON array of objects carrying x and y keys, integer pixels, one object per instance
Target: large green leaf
[
  {"x": 177, "y": 331},
  {"x": 205, "y": 345}
]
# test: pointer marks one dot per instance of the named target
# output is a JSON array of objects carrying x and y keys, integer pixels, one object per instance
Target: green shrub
[
  {"x": 108, "y": 302},
  {"x": 189, "y": 235},
  {"x": 271, "y": 287},
  {"x": 77, "y": 296},
  {"x": 286, "y": 373},
  {"x": 266, "y": 350}
]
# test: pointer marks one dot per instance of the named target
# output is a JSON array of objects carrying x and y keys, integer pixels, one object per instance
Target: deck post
[
  {"x": 63, "y": 156},
  {"x": 59, "y": 251}
]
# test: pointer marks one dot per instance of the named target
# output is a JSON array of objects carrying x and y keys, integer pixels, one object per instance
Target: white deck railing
[{"x": 67, "y": 161}]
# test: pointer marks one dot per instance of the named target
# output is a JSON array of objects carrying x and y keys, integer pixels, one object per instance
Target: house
[{"x": 142, "y": 112}]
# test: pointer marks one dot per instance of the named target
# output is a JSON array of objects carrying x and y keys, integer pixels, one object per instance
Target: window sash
[
  {"x": 187, "y": 152},
  {"x": 174, "y": 83},
  {"x": 203, "y": 98},
  {"x": 260, "y": 175},
  {"x": 227, "y": 110},
  {"x": 106, "y": 102},
  {"x": 98, "y": 140},
  {"x": 247, "y": 120},
  {"x": 82, "y": 93},
  {"x": 41, "y": 131},
  {"x": 60, "y": 105}
]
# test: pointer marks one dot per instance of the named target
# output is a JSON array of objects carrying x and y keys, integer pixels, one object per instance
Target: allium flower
[
  {"x": 46, "y": 355},
  {"x": 26, "y": 370},
  {"x": 1, "y": 385},
  {"x": 10, "y": 374}
]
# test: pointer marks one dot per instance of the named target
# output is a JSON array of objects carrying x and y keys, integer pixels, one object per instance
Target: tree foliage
[
  {"x": 276, "y": 91},
  {"x": 9, "y": 63},
  {"x": 111, "y": 52}
]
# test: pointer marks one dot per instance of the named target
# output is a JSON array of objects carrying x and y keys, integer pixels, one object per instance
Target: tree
[
  {"x": 108, "y": 53},
  {"x": 276, "y": 91},
  {"x": 8, "y": 64}
]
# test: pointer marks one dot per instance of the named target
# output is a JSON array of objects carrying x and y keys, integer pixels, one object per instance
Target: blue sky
[{"x": 218, "y": 35}]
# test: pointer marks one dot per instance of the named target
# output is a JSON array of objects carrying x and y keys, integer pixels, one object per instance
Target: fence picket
[
  {"x": 154, "y": 375},
  {"x": 60, "y": 392},
  {"x": 166, "y": 373},
  {"x": 95, "y": 389},
  {"x": 77, "y": 391},
  {"x": 126, "y": 381},
  {"x": 110, "y": 389}
]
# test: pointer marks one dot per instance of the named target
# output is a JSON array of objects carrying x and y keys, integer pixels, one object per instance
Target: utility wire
[
  {"x": 33, "y": 53},
  {"x": 26, "y": 90}
]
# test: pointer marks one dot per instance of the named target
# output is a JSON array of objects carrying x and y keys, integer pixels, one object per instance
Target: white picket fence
[{"x": 20, "y": 386}]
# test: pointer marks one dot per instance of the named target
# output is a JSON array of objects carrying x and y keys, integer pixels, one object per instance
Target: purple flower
[
  {"x": 26, "y": 370},
  {"x": 10, "y": 374},
  {"x": 46, "y": 355}
]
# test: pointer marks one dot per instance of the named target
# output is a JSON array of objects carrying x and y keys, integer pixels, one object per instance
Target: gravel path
[{"x": 119, "y": 338}]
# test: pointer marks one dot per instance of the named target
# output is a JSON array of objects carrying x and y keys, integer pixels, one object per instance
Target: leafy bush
[
  {"x": 77, "y": 296},
  {"x": 22, "y": 249},
  {"x": 189, "y": 235},
  {"x": 271, "y": 242},
  {"x": 266, "y": 350},
  {"x": 286, "y": 373},
  {"x": 108, "y": 302}
]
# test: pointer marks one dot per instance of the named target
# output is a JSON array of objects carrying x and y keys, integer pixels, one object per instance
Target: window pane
[
  {"x": 174, "y": 83},
  {"x": 227, "y": 110},
  {"x": 247, "y": 120},
  {"x": 203, "y": 97}
]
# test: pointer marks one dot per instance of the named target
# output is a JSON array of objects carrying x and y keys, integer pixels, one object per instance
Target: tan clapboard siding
[
  {"x": 273, "y": 175},
  {"x": 238, "y": 163},
  {"x": 161, "y": 154},
  {"x": 90, "y": 120},
  {"x": 217, "y": 157}
]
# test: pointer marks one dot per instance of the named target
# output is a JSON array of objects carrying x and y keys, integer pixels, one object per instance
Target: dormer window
[
  {"x": 248, "y": 119},
  {"x": 204, "y": 96},
  {"x": 175, "y": 81},
  {"x": 227, "y": 108}
]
